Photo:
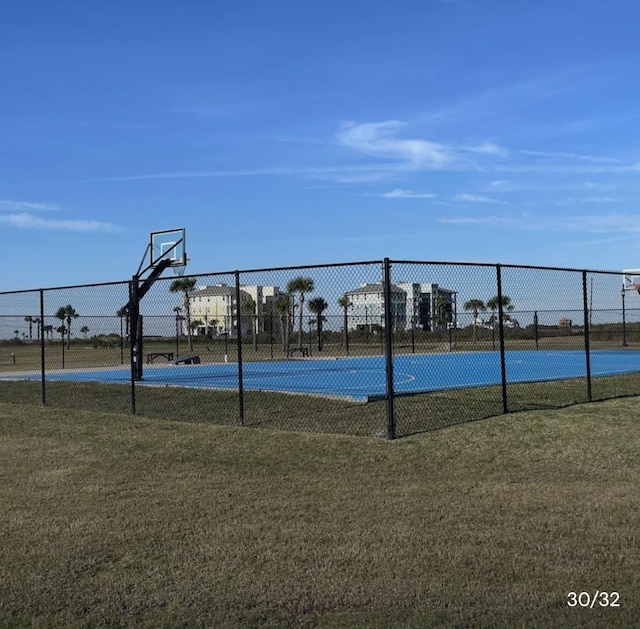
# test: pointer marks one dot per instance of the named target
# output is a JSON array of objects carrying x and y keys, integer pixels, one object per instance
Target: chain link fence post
[
  {"x": 239, "y": 345},
  {"x": 43, "y": 388},
  {"x": 388, "y": 349},
  {"x": 133, "y": 314},
  {"x": 587, "y": 348},
  {"x": 503, "y": 367}
]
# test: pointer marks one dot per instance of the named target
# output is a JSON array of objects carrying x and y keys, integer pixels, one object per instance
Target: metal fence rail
[{"x": 386, "y": 348}]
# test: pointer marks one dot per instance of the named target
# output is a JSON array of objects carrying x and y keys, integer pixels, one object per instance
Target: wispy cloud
[
  {"x": 589, "y": 199},
  {"x": 18, "y": 206},
  {"x": 600, "y": 223},
  {"x": 475, "y": 198},
  {"x": 395, "y": 148},
  {"x": 24, "y": 220},
  {"x": 382, "y": 139},
  {"x": 399, "y": 193},
  {"x": 598, "y": 159},
  {"x": 491, "y": 220},
  {"x": 502, "y": 185},
  {"x": 488, "y": 148},
  {"x": 23, "y": 215},
  {"x": 584, "y": 223},
  {"x": 502, "y": 101},
  {"x": 357, "y": 172}
]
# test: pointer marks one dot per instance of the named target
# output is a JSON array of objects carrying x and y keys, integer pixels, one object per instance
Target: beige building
[{"x": 216, "y": 309}]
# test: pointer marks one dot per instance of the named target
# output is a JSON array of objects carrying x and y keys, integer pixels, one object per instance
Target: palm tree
[
  {"x": 249, "y": 309},
  {"x": 61, "y": 330},
  {"x": 185, "y": 285},
  {"x": 476, "y": 306},
  {"x": 37, "y": 321},
  {"x": 442, "y": 311},
  {"x": 84, "y": 329},
  {"x": 47, "y": 330},
  {"x": 283, "y": 307},
  {"x": 345, "y": 304},
  {"x": 30, "y": 320},
  {"x": 507, "y": 306},
  {"x": 318, "y": 305},
  {"x": 67, "y": 313},
  {"x": 300, "y": 285}
]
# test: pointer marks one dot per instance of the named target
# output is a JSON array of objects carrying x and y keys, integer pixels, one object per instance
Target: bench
[
  {"x": 151, "y": 356},
  {"x": 187, "y": 359},
  {"x": 303, "y": 350}
]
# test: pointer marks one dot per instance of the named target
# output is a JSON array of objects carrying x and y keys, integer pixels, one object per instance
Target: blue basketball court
[{"x": 364, "y": 378}]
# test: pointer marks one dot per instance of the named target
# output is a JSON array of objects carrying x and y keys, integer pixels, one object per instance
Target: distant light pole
[
  {"x": 226, "y": 346},
  {"x": 413, "y": 334},
  {"x": 121, "y": 342},
  {"x": 271, "y": 331},
  {"x": 493, "y": 331},
  {"x": 178, "y": 311},
  {"x": 624, "y": 320},
  {"x": 366, "y": 323},
  {"x": 63, "y": 330}
]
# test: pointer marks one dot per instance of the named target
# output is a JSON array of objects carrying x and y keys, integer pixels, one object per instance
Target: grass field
[{"x": 109, "y": 520}]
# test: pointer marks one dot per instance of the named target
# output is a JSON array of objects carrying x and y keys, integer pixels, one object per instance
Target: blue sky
[{"x": 287, "y": 132}]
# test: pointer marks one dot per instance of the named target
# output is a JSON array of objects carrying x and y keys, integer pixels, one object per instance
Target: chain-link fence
[{"x": 372, "y": 348}]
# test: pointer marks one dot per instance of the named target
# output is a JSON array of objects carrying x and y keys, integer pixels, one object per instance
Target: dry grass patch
[{"x": 111, "y": 520}]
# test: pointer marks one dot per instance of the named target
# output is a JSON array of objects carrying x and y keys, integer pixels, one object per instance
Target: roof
[
  {"x": 376, "y": 288},
  {"x": 218, "y": 290}
]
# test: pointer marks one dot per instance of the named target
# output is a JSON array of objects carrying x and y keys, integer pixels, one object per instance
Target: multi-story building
[
  {"x": 429, "y": 306},
  {"x": 367, "y": 307},
  {"x": 426, "y": 306},
  {"x": 217, "y": 309}
]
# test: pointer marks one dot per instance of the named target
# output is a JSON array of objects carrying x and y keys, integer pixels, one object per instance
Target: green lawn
[{"x": 111, "y": 520}]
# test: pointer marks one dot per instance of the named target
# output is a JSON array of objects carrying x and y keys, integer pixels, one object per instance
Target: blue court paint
[{"x": 361, "y": 378}]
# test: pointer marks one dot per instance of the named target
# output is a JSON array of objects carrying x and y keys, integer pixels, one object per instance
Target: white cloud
[
  {"x": 478, "y": 220},
  {"x": 19, "y": 206},
  {"x": 600, "y": 223},
  {"x": 380, "y": 139},
  {"x": 399, "y": 193},
  {"x": 570, "y": 156},
  {"x": 21, "y": 214},
  {"x": 24, "y": 220},
  {"x": 488, "y": 148},
  {"x": 588, "y": 224},
  {"x": 361, "y": 172},
  {"x": 475, "y": 198},
  {"x": 589, "y": 199}
]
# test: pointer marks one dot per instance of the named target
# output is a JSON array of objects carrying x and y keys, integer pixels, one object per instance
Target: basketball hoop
[
  {"x": 178, "y": 270},
  {"x": 631, "y": 280}
]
